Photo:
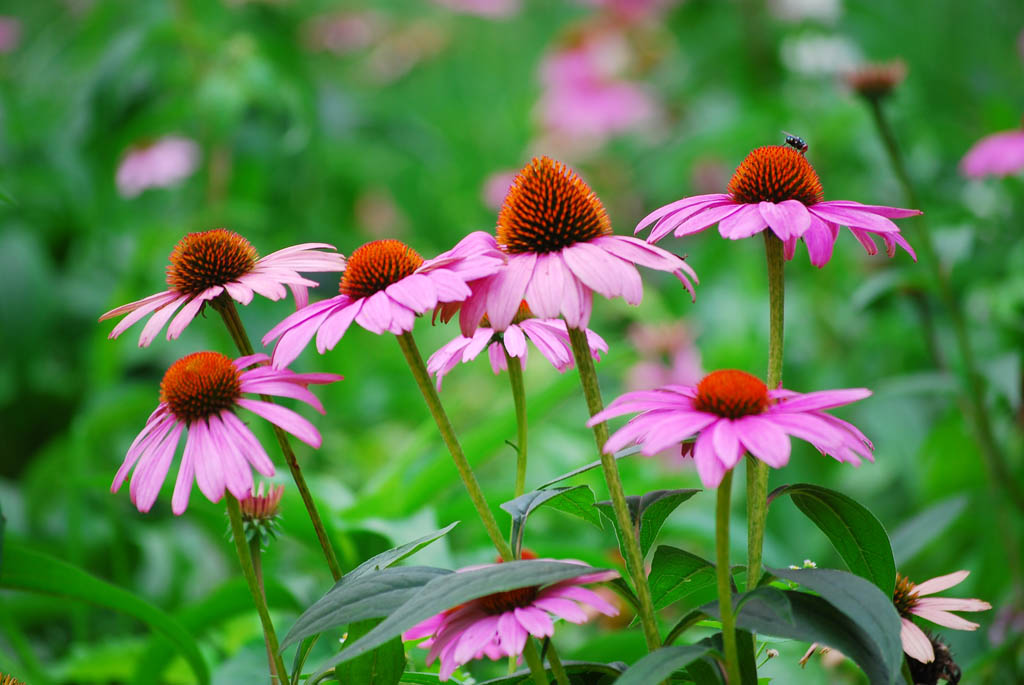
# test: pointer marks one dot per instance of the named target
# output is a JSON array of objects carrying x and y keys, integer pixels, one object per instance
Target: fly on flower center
[
  {"x": 374, "y": 266},
  {"x": 500, "y": 602},
  {"x": 731, "y": 394},
  {"x": 203, "y": 260},
  {"x": 200, "y": 385},
  {"x": 775, "y": 173},
  {"x": 904, "y": 596},
  {"x": 549, "y": 207}
]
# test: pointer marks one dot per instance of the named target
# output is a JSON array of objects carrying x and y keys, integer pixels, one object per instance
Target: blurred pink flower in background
[
  {"x": 10, "y": 34},
  {"x": 667, "y": 355},
  {"x": 492, "y": 9},
  {"x": 158, "y": 164},
  {"x": 632, "y": 10},
  {"x": 342, "y": 33},
  {"x": 1000, "y": 154},
  {"x": 585, "y": 98},
  {"x": 496, "y": 187}
]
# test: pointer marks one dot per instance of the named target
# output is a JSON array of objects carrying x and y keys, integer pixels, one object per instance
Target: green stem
[
  {"x": 249, "y": 571},
  {"x": 975, "y": 390},
  {"x": 556, "y": 664},
  {"x": 256, "y": 553},
  {"x": 515, "y": 377},
  {"x": 722, "y": 571},
  {"x": 634, "y": 558},
  {"x": 757, "y": 470},
  {"x": 533, "y": 661},
  {"x": 422, "y": 376},
  {"x": 228, "y": 312}
]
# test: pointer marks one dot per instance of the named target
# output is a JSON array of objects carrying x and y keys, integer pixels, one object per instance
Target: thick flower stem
[
  {"x": 278, "y": 673},
  {"x": 422, "y": 376},
  {"x": 556, "y": 665},
  {"x": 515, "y": 377},
  {"x": 534, "y": 662},
  {"x": 634, "y": 559},
  {"x": 229, "y": 314},
  {"x": 757, "y": 470},
  {"x": 256, "y": 553},
  {"x": 973, "y": 396},
  {"x": 732, "y": 663}
]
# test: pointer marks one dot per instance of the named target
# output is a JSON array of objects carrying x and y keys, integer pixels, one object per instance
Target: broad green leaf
[
  {"x": 393, "y": 556},
  {"x": 688, "y": 621},
  {"x": 661, "y": 663},
  {"x": 851, "y": 615},
  {"x": 577, "y": 500},
  {"x": 590, "y": 672},
  {"x": 911, "y": 536},
  {"x": 452, "y": 589},
  {"x": 854, "y": 531},
  {"x": 648, "y": 513},
  {"x": 627, "y": 452},
  {"x": 382, "y": 666},
  {"x": 25, "y": 569},
  {"x": 227, "y": 601},
  {"x": 676, "y": 573},
  {"x": 374, "y": 595}
]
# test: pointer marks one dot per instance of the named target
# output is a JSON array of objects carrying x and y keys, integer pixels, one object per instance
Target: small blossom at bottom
[
  {"x": 910, "y": 600},
  {"x": 497, "y": 625}
]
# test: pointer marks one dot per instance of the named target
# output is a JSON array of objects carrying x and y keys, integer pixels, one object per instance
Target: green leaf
[
  {"x": 452, "y": 589},
  {"x": 650, "y": 510},
  {"x": 911, "y": 536},
  {"x": 661, "y": 663},
  {"x": 25, "y": 569},
  {"x": 851, "y": 615},
  {"x": 685, "y": 623},
  {"x": 577, "y": 500},
  {"x": 854, "y": 531},
  {"x": 676, "y": 573},
  {"x": 393, "y": 556},
  {"x": 585, "y": 671},
  {"x": 425, "y": 679},
  {"x": 629, "y": 451},
  {"x": 301, "y": 654},
  {"x": 382, "y": 666},
  {"x": 370, "y": 596}
]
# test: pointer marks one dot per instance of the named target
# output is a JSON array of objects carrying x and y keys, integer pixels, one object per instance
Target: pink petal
[
  {"x": 515, "y": 341},
  {"x": 940, "y": 583},
  {"x": 822, "y": 399},
  {"x": 854, "y": 217},
  {"x": 677, "y": 206},
  {"x": 416, "y": 292},
  {"x": 953, "y": 604},
  {"x": 151, "y": 472},
  {"x": 285, "y": 419},
  {"x": 743, "y": 224},
  {"x": 507, "y": 289},
  {"x": 535, "y": 621},
  {"x": 511, "y": 635},
  {"x": 157, "y": 321},
  {"x": 944, "y": 618},
  {"x": 186, "y": 475},
  {"x": 334, "y": 326},
  {"x": 788, "y": 218},
  {"x": 764, "y": 440},
  {"x": 708, "y": 217},
  {"x": 252, "y": 449},
  {"x": 709, "y": 467},
  {"x": 546, "y": 287},
  {"x": 206, "y": 461},
  {"x": 726, "y": 443},
  {"x": 915, "y": 643}
]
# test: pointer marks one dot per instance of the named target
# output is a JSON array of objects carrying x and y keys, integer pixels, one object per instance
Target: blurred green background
[{"x": 347, "y": 122}]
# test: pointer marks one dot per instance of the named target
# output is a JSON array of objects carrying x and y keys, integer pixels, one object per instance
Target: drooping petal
[
  {"x": 764, "y": 440},
  {"x": 788, "y": 218},
  {"x": 709, "y": 468},
  {"x": 507, "y": 288},
  {"x": 284, "y": 418},
  {"x": 915, "y": 643}
]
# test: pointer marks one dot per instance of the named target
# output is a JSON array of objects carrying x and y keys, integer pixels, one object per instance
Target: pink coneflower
[
  {"x": 385, "y": 285},
  {"x": 878, "y": 79},
  {"x": 549, "y": 336},
  {"x": 158, "y": 164},
  {"x": 910, "y": 601},
  {"x": 1000, "y": 154},
  {"x": 10, "y": 34},
  {"x": 498, "y": 625},
  {"x": 730, "y": 412},
  {"x": 208, "y": 264},
  {"x": 560, "y": 250},
  {"x": 776, "y": 187},
  {"x": 201, "y": 393}
]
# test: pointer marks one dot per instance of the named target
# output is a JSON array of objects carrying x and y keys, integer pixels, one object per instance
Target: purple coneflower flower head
[
  {"x": 560, "y": 250},
  {"x": 731, "y": 412},
  {"x": 498, "y": 625},
  {"x": 159, "y": 164},
  {"x": 199, "y": 395},
  {"x": 910, "y": 600},
  {"x": 776, "y": 188},
  {"x": 1000, "y": 154},
  {"x": 549, "y": 336},
  {"x": 385, "y": 285},
  {"x": 211, "y": 263}
]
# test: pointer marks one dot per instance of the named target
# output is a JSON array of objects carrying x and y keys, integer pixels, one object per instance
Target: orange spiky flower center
[
  {"x": 200, "y": 385},
  {"x": 374, "y": 266},
  {"x": 203, "y": 260},
  {"x": 775, "y": 173},
  {"x": 500, "y": 602},
  {"x": 9, "y": 680},
  {"x": 731, "y": 394},
  {"x": 904, "y": 596},
  {"x": 549, "y": 207}
]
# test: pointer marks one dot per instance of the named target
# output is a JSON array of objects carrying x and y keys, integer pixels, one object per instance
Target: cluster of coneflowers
[{"x": 533, "y": 280}]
